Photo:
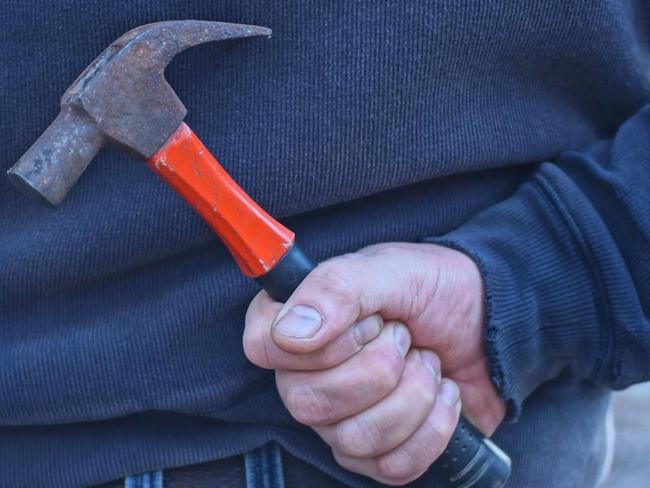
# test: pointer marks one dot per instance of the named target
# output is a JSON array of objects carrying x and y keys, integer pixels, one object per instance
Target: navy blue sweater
[{"x": 514, "y": 131}]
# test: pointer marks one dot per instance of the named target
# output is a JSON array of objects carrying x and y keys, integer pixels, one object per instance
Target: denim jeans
[{"x": 263, "y": 468}]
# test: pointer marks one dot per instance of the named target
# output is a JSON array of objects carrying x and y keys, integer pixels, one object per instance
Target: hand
[{"x": 341, "y": 371}]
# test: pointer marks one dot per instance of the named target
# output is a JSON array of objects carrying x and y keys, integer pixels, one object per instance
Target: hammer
[{"x": 122, "y": 98}]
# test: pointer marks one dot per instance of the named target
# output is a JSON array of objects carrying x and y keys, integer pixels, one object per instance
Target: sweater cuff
[{"x": 541, "y": 302}]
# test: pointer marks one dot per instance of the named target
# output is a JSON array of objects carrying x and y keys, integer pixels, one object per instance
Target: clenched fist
[{"x": 369, "y": 351}]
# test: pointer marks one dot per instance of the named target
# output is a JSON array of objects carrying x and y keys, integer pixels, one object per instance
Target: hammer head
[{"x": 121, "y": 98}]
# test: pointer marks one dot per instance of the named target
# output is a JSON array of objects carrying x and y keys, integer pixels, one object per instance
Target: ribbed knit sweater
[{"x": 514, "y": 131}]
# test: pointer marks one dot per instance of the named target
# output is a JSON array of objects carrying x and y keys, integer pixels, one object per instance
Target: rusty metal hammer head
[{"x": 121, "y": 98}]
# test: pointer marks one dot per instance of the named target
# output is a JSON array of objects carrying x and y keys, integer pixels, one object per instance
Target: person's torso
[{"x": 357, "y": 122}]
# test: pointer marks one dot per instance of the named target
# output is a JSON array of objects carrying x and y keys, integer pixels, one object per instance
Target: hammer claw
[{"x": 169, "y": 38}]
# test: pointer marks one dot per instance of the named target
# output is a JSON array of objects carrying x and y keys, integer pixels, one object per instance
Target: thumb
[{"x": 348, "y": 288}]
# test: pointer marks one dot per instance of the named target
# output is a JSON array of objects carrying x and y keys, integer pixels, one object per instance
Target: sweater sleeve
[{"x": 566, "y": 267}]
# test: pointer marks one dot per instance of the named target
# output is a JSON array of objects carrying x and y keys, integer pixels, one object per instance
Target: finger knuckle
[
  {"x": 338, "y": 278},
  {"x": 357, "y": 438},
  {"x": 400, "y": 467},
  {"x": 444, "y": 426},
  {"x": 386, "y": 369},
  {"x": 426, "y": 387},
  {"x": 309, "y": 405},
  {"x": 423, "y": 290},
  {"x": 254, "y": 348},
  {"x": 328, "y": 357},
  {"x": 439, "y": 441}
]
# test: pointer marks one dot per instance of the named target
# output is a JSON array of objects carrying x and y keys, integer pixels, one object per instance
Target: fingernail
[
  {"x": 432, "y": 363},
  {"x": 449, "y": 392},
  {"x": 300, "y": 321},
  {"x": 367, "y": 329},
  {"x": 402, "y": 339}
]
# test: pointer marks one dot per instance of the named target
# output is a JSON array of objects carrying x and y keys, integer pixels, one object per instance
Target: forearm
[{"x": 565, "y": 264}]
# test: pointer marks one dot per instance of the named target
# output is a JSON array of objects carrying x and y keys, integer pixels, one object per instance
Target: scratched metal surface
[{"x": 122, "y": 97}]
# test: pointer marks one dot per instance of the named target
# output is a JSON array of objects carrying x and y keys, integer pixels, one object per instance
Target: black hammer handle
[{"x": 471, "y": 459}]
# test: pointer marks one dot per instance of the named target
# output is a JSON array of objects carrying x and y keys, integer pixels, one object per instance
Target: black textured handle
[
  {"x": 470, "y": 460},
  {"x": 285, "y": 276}
]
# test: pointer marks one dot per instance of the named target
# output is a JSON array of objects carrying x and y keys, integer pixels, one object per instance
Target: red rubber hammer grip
[{"x": 256, "y": 240}]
